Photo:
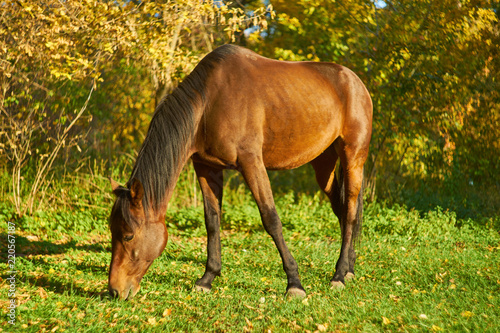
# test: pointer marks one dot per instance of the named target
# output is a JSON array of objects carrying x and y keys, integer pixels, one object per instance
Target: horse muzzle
[{"x": 126, "y": 293}]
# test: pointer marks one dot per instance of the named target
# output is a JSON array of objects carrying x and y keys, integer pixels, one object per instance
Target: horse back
[{"x": 287, "y": 112}]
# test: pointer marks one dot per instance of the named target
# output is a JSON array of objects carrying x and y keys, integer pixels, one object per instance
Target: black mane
[{"x": 172, "y": 130}]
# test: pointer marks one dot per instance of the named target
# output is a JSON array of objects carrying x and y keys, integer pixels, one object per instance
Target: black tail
[{"x": 339, "y": 199}]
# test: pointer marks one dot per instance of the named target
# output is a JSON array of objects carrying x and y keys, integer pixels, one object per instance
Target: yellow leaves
[
  {"x": 395, "y": 298},
  {"x": 50, "y": 45},
  {"x": 386, "y": 321},
  {"x": 436, "y": 328},
  {"x": 322, "y": 327},
  {"x": 108, "y": 47},
  {"x": 249, "y": 326},
  {"x": 416, "y": 291},
  {"x": 42, "y": 293},
  {"x": 55, "y": 73},
  {"x": 82, "y": 33},
  {"x": 405, "y": 53},
  {"x": 271, "y": 11},
  {"x": 467, "y": 314}
]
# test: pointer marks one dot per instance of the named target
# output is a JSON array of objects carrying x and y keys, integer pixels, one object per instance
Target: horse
[{"x": 239, "y": 110}]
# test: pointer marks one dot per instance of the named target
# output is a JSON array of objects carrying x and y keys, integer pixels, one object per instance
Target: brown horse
[{"x": 238, "y": 110}]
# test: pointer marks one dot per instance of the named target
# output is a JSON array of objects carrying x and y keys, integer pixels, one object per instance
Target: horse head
[{"x": 137, "y": 236}]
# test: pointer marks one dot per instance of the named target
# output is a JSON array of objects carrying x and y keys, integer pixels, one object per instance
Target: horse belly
[{"x": 295, "y": 137}]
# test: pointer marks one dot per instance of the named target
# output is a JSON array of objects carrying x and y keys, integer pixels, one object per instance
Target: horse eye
[{"x": 128, "y": 238}]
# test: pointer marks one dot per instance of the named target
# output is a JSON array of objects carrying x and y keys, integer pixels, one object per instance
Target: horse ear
[
  {"x": 136, "y": 192},
  {"x": 114, "y": 185}
]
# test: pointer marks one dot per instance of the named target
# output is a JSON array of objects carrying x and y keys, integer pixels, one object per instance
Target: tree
[{"x": 55, "y": 54}]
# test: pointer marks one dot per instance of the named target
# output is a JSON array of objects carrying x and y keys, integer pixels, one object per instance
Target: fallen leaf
[
  {"x": 385, "y": 321},
  {"x": 467, "y": 314},
  {"x": 42, "y": 293},
  {"x": 249, "y": 323},
  {"x": 167, "y": 312}
]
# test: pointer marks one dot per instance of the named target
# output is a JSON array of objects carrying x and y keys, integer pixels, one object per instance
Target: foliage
[
  {"x": 54, "y": 54},
  {"x": 431, "y": 69},
  {"x": 83, "y": 75}
]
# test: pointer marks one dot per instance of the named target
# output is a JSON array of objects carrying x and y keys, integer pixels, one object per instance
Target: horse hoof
[
  {"x": 296, "y": 293},
  {"x": 337, "y": 285},
  {"x": 349, "y": 276},
  {"x": 201, "y": 289}
]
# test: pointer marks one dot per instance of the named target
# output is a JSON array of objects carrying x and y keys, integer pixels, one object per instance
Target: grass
[{"x": 416, "y": 271}]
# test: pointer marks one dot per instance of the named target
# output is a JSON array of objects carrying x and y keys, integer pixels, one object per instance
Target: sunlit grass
[{"x": 428, "y": 279}]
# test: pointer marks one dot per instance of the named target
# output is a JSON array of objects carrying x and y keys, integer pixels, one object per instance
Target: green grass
[{"x": 416, "y": 271}]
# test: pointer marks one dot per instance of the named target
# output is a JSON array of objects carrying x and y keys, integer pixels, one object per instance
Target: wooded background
[{"x": 80, "y": 79}]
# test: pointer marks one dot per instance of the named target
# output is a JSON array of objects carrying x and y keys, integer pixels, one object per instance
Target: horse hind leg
[
  {"x": 331, "y": 181},
  {"x": 338, "y": 200},
  {"x": 356, "y": 234},
  {"x": 352, "y": 158}
]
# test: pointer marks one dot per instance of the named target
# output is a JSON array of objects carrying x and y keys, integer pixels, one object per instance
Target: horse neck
[
  {"x": 168, "y": 145},
  {"x": 170, "y": 189}
]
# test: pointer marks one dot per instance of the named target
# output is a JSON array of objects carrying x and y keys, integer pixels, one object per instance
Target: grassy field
[{"x": 416, "y": 271}]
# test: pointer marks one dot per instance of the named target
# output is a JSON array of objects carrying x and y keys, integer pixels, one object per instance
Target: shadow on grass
[
  {"x": 66, "y": 287},
  {"x": 58, "y": 283},
  {"x": 24, "y": 246}
]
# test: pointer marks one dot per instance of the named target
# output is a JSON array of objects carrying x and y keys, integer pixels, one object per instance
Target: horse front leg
[
  {"x": 211, "y": 184},
  {"x": 255, "y": 175}
]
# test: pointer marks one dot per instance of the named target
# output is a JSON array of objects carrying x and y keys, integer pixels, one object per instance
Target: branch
[{"x": 41, "y": 174}]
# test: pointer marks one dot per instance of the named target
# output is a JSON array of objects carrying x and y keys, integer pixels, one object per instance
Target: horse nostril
[{"x": 113, "y": 293}]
